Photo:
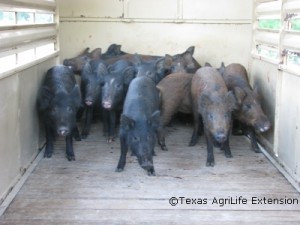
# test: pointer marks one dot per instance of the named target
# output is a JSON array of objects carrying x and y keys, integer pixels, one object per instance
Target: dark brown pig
[
  {"x": 214, "y": 103},
  {"x": 249, "y": 112},
  {"x": 175, "y": 96},
  {"x": 77, "y": 63},
  {"x": 186, "y": 58}
]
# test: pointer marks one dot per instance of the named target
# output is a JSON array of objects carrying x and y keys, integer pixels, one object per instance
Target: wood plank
[{"x": 89, "y": 191}]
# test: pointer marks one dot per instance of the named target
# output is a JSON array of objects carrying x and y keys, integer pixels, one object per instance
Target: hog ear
[
  {"x": 87, "y": 69},
  {"x": 137, "y": 59},
  {"x": 85, "y": 52},
  {"x": 191, "y": 50},
  {"x": 230, "y": 101},
  {"x": 188, "y": 58},
  {"x": 207, "y": 64},
  {"x": 222, "y": 68},
  {"x": 205, "y": 101},
  {"x": 168, "y": 62},
  {"x": 161, "y": 68},
  {"x": 126, "y": 122},
  {"x": 159, "y": 89},
  {"x": 76, "y": 96},
  {"x": 101, "y": 69},
  {"x": 96, "y": 53},
  {"x": 256, "y": 92},
  {"x": 44, "y": 98},
  {"x": 240, "y": 94},
  {"x": 154, "y": 120},
  {"x": 129, "y": 74}
]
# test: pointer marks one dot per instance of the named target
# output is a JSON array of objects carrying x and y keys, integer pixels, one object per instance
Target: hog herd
[{"x": 142, "y": 93}]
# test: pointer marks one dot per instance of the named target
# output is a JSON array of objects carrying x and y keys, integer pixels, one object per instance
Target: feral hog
[
  {"x": 91, "y": 80},
  {"x": 139, "y": 123},
  {"x": 249, "y": 111},
  {"x": 114, "y": 88},
  {"x": 214, "y": 103},
  {"x": 175, "y": 96},
  {"x": 77, "y": 63},
  {"x": 58, "y": 101}
]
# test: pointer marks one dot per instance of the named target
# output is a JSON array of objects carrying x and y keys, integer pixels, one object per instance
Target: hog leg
[
  {"x": 112, "y": 126},
  {"x": 210, "y": 154},
  {"x": 124, "y": 149},
  {"x": 195, "y": 135},
  {"x": 226, "y": 148},
  {"x": 76, "y": 134},
  {"x": 69, "y": 148},
  {"x": 49, "y": 141},
  {"x": 161, "y": 139},
  {"x": 87, "y": 122},
  {"x": 254, "y": 145}
]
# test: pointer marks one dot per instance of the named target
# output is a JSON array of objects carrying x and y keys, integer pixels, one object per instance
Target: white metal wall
[
  {"x": 219, "y": 33},
  {"x": 19, "y": 133}
]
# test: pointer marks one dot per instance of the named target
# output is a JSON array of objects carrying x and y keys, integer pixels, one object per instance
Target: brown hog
[
  {"x": 214, "y": 103},
  {"x": 77, "y": 63},
  {"x": 175, "y": 97},
  {"x": 249, "y": 112}
]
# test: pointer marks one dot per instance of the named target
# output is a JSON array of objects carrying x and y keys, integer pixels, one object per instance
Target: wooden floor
[{"x": 89, "y": 191}]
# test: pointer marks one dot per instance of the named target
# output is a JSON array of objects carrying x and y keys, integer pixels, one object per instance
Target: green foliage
[
  {"x": 273, "y": 24},
  {"x": 295, "y": 24}
]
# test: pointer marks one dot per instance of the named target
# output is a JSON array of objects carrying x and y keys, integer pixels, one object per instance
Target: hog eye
[
  {"x": 247, "y": 106},
  {"x": 54, "y": 110},
  {"x": 210, "y": 116},
  {"x": 118, "y": 86},
  {"x": 69, "y": 109},
  {"x": 135, "y": 139},
  {"x": 227, "y": 116}
]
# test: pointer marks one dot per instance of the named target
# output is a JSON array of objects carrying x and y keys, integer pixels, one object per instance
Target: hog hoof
[
  {"x": 110, "y": 140},
  {"x": 71, "y": 157},
  {"x": 47, "y": 154},
  {"x": 83, "y": 136},
  {"x": 228, "y": 155},
  {"x": 77, "y": 138},
  {"x": 210, "y": 164},
  {"x": 118, "y": 170},
  {"x": 164, "y": 148},
  {"x": 151, "y": 172},
  {"x": 256, "y": 149}
]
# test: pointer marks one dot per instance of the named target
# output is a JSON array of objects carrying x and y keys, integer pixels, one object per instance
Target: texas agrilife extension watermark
[{"x": 233, "y": 200}]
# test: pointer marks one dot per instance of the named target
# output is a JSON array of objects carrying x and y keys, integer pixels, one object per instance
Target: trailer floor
[{"x": 89, "y": 191}]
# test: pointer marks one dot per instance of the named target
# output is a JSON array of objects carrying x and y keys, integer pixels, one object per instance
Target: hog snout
[
  {"x": 147, "y": 165},
  {"x": 263, "y": 126},
  {"x": 66, "y": 62},
  {"x": 107, "y": 104},
  {"x": 63, "y": 131},
  {"x": 88, "y": 102},
  {"x": 220, "y": 136}
]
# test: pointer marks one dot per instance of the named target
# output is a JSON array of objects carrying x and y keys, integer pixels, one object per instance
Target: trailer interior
[{"x": 262, "y": 35}]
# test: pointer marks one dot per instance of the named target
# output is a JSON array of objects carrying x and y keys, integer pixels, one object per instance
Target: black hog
[
  {"x": 77, "y": 63},
  {"x": 139, "y": 123},
  {"x": 249, "y": 112},
  {"x": 114, "y": 88},
  {"x": 112, "y": 51},
  {"x": 214, "y": 103},
  {"x": 175, "y": 96},
  {"x": 91, "y": 80},
  {"x": 58, "y": 101},
  {"x": 157, "y": 69}
]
